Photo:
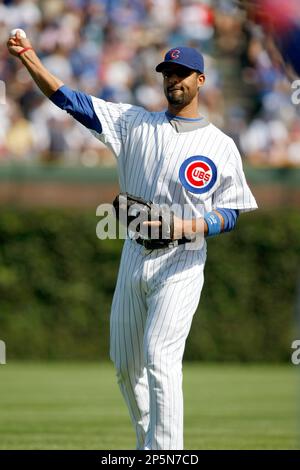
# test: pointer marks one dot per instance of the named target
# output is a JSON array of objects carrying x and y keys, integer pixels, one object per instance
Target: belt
[{"x": 160, "y": 244}]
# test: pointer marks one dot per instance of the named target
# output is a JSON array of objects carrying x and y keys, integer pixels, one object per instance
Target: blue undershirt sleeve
[
  {"x": 230, "y": 217},
  {"x": 79, "y": 105},
  {"x": 214, "y": 223}
]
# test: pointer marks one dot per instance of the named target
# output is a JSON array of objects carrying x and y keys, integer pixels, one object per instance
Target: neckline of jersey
[
  {"x": 173, "y": 131},
  {"x": 180, "y": 118}
]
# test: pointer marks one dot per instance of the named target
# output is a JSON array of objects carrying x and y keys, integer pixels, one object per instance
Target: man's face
[{"x": 181, "y": 84}]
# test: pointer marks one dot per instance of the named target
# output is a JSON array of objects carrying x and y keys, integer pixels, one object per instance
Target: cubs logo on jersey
[{"x": 198, "y": 174}]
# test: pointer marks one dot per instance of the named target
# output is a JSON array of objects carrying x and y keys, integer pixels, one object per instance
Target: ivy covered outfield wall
[{"x": 57, "y": 280}]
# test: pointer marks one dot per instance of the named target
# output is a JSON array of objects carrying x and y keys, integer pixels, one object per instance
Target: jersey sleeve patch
[{"x": 198, "y": 174}]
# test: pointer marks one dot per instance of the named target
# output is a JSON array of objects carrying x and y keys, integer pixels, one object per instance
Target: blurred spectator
[
  {"x": 272, "y": 137},
  {"x": 19, "y": 140},
  {"x": 109, "y": 48}
]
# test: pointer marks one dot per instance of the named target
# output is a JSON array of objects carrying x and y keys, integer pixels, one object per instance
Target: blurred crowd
[{"x": 109, "y": 48}]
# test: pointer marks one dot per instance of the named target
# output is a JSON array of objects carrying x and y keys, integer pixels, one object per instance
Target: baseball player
[{"x": 170, "y": 157}]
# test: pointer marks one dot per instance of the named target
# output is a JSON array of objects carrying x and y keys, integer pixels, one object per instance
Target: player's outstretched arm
[
  {"x": 217, "y": 221},
  {"x": 76, "y": 103},
  {"x": 213, "y": 223},
  {"x": 21, "y": 47}
]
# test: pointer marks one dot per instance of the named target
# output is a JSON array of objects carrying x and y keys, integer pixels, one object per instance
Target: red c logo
[
  {"x": 175, "y": 54},
  {"x": 198, "y": 174}
]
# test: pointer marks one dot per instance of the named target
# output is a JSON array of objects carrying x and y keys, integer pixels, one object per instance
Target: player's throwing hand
[{"x": 17, "y": 44}]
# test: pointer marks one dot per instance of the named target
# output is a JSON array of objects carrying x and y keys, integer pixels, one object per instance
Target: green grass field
[{"x": 79, "y": 406}]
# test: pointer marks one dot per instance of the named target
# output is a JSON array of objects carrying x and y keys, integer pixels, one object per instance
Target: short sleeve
[
  {"x": 233, "y": 191},
  {"x": 115, "y": 119}
]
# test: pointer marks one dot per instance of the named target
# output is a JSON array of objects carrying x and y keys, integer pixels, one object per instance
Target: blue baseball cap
[{"x": 183, "y": 55}]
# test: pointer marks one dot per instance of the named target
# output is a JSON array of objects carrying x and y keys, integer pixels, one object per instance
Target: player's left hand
[
  {"x": 183, "y": 228},
  {"x": 178, "y": 226}
]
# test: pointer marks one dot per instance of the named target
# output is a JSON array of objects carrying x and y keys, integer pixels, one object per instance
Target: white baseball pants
[{"x": 156, "y": 296}]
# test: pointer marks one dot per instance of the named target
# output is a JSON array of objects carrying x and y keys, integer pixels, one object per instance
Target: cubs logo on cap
[
  {"x": 198, "y": 174},
  {"x": 183, "y": 55},
  {"x": 174, "y": 53}
]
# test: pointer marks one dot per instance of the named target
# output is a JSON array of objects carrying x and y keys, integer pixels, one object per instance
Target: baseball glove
[{"x": 133, "y": 211}]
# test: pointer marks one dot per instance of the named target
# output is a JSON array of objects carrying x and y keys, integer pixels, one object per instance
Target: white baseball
[{"x": 14, "y": 32}]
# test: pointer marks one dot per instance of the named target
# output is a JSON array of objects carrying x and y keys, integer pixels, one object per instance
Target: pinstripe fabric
[
  {"x": 157, "y": 292},
  {"x": 150, "y": 152},
  {"x": 155, "y": 299}
]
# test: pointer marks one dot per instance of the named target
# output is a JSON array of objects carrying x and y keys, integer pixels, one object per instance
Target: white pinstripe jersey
[
  {"x": 150, "y": 153},
  {"x": 158, "y": 291}
]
